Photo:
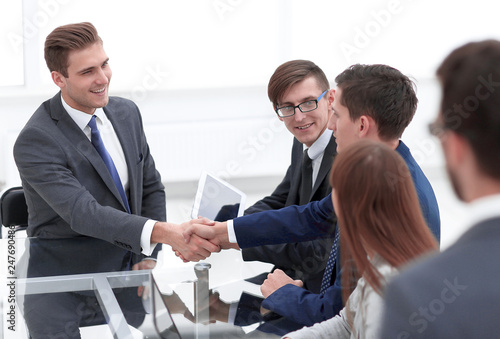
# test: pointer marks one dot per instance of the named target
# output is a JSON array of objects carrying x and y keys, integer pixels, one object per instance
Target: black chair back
[{"x": 13, "y": 208}]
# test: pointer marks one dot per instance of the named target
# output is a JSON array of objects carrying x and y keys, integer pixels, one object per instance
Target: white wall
[{"x": 198, "y": 71}]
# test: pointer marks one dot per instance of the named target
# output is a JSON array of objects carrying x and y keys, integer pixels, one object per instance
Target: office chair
[{"x": 13, "y": 209}]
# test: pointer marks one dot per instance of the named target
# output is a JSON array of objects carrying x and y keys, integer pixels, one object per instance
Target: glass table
[{"x": 45, "y": 282}]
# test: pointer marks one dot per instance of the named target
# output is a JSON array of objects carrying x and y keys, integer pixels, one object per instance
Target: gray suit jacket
[
  {"x": 69, "y": 191},
  {"x": 455, "y": 294}
]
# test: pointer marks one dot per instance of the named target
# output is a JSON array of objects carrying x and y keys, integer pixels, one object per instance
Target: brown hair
[
  {"x": 378, "y": 209},
  {"x": 469, "y": 79},
  {"x": 381, "y": 92},
  {"x": 289, "y": 74},
  {"x": 64, "y": 39}
]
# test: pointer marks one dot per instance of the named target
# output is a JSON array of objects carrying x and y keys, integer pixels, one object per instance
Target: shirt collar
[
  {"x": 484, "y": 208},
  {"x": 82, "y": 118},
  {"x": 402, "y": 149},
  {"x": 319, "y": 146}
]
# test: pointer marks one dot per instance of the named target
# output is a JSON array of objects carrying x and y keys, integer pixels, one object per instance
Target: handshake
[{"x": 193, "y": 240}]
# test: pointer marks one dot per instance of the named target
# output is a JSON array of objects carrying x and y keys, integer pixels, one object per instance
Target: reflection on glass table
[
  {"x": 233, "y": 310},
  {"x": 54, "y": 281}
]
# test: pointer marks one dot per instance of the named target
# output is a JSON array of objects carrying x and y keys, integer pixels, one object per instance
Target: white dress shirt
[
  {"x": 316, "y": 152},
  {"x": 115, "y": 150},
  {"x": 482, "y": 209}
]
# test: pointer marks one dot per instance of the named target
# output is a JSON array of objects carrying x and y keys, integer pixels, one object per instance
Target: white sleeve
[
  {"x": 146, "y": 245},
  {"x": 230, "y": 232},
  {"x": 337, "y": 327}
]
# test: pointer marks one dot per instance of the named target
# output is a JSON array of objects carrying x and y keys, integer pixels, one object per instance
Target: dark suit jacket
[
  {"x": 454, "y": 294},
  {"x": 313, "y": 220},
  {"x": 69, "y": 191},
  {"x": 296, "y": 223},
  {"x": 304, "y": 260}
]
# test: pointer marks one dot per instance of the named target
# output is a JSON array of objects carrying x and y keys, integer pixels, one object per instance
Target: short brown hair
[
  {"x": 470, "y": 79},
  {"x": 65, "y": 39},
  {"x": 378, "y": 208},
  {"x": 381, "y": 92},
  {"x": 290, "y": 73}
]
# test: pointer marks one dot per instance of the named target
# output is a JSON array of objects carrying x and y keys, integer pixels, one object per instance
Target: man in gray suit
[
  {"x": 87, "y": 171},
  {"x": 456, "y": 294}
]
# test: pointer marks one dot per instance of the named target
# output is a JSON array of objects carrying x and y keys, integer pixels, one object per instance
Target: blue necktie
[
  {"x": 108, "y": 161},
  {"x": 330, "y": 264}
]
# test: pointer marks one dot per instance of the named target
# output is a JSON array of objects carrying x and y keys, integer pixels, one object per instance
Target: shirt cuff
[
  {"x": 233, "y": 308},
  {"x": 146, "y": 245},
  {"x": 230, "y": 232}
]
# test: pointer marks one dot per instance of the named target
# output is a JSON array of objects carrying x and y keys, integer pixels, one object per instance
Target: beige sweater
[{"x": 365, "y": 306}]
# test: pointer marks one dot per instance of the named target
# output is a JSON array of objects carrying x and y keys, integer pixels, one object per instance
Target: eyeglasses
[
  {"x": 308, "y": 106},
  {"x": 437, "y": 129}
]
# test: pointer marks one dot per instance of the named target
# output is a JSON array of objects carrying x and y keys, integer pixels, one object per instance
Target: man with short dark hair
[
  {"x": 375, "y": 102},
  {"x": 301, "y": 97},
  {"x": 455, "y": 294}
]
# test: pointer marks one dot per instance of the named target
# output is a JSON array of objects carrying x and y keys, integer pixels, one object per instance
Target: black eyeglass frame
[
  {"x": 437, "y": 129},
  {"x": 278, "y": 109}
]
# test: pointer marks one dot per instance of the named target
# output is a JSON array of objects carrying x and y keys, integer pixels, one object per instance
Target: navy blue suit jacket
[{"x": 296, "y": 223}]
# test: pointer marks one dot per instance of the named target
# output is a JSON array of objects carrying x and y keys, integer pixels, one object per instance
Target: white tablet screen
[{"x": 217, "y": 199}]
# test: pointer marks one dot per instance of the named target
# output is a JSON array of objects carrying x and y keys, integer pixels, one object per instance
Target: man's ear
[
  {"x": 365, "y": 125},
  {"x": 330, "y": 96},
  {"x": 455, "y": 148},
  {"x": 59, "y": 79},
  {"x": 330, "y": 99}
]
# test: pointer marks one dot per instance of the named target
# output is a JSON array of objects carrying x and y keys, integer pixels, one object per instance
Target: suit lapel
[
  {"x": 326, "y": 164},
  {"x": 76, "y": 137}
]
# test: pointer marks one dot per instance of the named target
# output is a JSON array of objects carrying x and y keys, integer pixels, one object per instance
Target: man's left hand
[
  {"x": 276, "y": 280},
  {"x": 146, "y": 264}
]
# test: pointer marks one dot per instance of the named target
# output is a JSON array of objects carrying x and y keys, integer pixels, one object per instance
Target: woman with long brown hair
[{"x": 381, "y": 229}]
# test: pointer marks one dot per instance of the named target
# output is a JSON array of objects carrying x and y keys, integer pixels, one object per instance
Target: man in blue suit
[
  {"x": 455, "y": 294},
  {"x": 371, "y": 101}
]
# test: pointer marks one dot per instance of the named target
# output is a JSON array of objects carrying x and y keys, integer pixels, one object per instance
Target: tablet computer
[{"x": 217, "y": 200}]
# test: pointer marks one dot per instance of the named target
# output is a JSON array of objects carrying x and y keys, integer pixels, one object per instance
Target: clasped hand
[{"x": 205, "y": 233}]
